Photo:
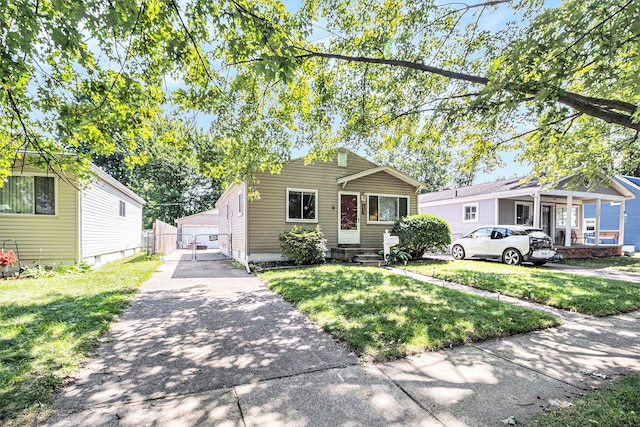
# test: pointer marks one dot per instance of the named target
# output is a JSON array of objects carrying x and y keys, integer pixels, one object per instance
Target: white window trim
[
  {"x": 122, "y": 209},
  {"x": 464, "y": 213},
  {"x": 301, "y": 220},
  {"x": 569, "y": 218},
  {"x": 240, "y": 203},
  {"x": 515, "y": 214},
  {"x": 56, "y": 191},
  {"x": 369, "y": 221}
]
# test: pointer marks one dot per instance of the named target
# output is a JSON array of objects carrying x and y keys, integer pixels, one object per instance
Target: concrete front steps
[{"x": 365, "y": 256}]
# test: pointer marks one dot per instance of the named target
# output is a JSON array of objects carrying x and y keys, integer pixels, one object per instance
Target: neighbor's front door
[
  {"x": 546, "y": 219},
  {"x": 349, "y": 220}
]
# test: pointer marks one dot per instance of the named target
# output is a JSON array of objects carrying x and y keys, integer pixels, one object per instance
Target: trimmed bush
[
  {"x": 303, "y": 246},
  {"x": 421, "y": 233}
]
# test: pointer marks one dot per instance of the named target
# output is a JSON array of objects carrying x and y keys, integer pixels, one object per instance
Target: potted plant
[{"x": 7, "y": 259}]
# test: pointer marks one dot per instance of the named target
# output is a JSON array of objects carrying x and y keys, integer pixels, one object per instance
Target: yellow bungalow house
[
  {"x": 50, "y": 220},
  {"x": 352, "y": 199}
]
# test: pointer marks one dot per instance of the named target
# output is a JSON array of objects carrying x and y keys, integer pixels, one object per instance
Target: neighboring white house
[
  {"x": 201, "y": 228},
  {"x": 53, "y": 221}
]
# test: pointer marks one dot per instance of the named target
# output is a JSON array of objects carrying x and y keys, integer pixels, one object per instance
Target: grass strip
[
  {"x": 631, "y": 264},
  {"x": 49, "y": 325},
  {"x": 617, "y": 404},
  {"x": 585, "y": 294},
  {"x": 383, "y": 316}
]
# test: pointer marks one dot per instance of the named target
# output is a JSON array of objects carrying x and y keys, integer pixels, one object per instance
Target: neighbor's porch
[{"x": 560, "y": 214}]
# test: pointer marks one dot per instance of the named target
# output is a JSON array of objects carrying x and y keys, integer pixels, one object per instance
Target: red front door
[{"x": 349, "y": 226}]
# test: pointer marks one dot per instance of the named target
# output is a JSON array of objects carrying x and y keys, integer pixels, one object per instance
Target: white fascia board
[
  {"x": 391, "y": 171},
  {"x": 624, "y": 180},
  {"x": 585, "y": 195},
  {"x": 230, "y": 189}
]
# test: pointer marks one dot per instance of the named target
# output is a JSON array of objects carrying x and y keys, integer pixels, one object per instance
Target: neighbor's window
[
  {"x": 302, "y": 205},
  {"x": 387, "y": 208},
  {"x": 123, "y": 208},
  {"x": 523, "y": 214},
  {"x": 31, "y": 195},
  {"x": 470, "y": 212},
  {"x": 561, "y": 216},
  {"x": 240, "y": 203}
]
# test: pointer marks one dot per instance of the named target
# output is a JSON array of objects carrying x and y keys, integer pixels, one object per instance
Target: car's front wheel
[
  {"x": 512, "y": 256},
  {"x": 457, "y": 251}
]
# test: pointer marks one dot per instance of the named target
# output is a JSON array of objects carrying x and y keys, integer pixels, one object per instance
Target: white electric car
[{"x": 512, "y": 244}]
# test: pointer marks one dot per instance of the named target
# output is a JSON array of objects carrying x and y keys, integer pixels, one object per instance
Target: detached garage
[{"x": 201, "y": 228}]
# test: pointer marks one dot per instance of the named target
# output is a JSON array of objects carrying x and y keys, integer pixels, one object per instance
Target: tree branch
[{"x": 596, "y": 107}]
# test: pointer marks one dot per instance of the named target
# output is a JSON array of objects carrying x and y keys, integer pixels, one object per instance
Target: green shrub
[
  {"x": 421, "y": 233},
  {"x": 303, "y": 246},
  {"x": 397, "y": 255}
]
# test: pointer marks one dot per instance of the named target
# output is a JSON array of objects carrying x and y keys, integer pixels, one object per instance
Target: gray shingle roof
[{"x": 479, "y": 189}]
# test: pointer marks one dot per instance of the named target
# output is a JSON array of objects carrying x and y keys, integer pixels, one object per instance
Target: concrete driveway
[{"x": 206, "y": 344}]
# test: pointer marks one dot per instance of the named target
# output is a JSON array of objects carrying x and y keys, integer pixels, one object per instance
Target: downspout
[{"x": 245, "y": 201}]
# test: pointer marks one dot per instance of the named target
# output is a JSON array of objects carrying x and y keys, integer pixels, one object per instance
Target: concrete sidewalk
[{"x": 205, "y": 343}]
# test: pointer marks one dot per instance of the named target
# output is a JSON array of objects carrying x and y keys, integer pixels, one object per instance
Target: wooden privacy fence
[{"x": 165, "y": 237}]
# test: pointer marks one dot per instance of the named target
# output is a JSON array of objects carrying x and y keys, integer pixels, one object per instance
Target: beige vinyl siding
[
  {"x": 267, "y": 215},
  {"x": 104, "y": 231},
  {"x": 45, "y": 239},
  {"x": 231, "y": 223}
]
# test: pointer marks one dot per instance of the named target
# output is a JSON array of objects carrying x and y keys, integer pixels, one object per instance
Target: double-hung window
[
  {"x": 470, "y": 212},
  {"x": 29, "y": 195},
  {"x": 302, "y": 205},
  {"x": 387, "y": 208}
]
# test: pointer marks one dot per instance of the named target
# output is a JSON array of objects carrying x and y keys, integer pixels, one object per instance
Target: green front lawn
[
  {"x": 616, "y": 405},
  {"x": 631, "y": 264},
  {"x": 584, "y": 294},
  {"x": 49, "y": 326},
  {"x": 385, "y": 316}
]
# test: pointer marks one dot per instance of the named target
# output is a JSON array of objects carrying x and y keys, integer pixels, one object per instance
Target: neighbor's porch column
[
  {"x": 596, "y": 232},
  {"x": 567, "y": 228},
  {"x": 536, "y": 210},
  {"x": 621, "y": 226}
]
